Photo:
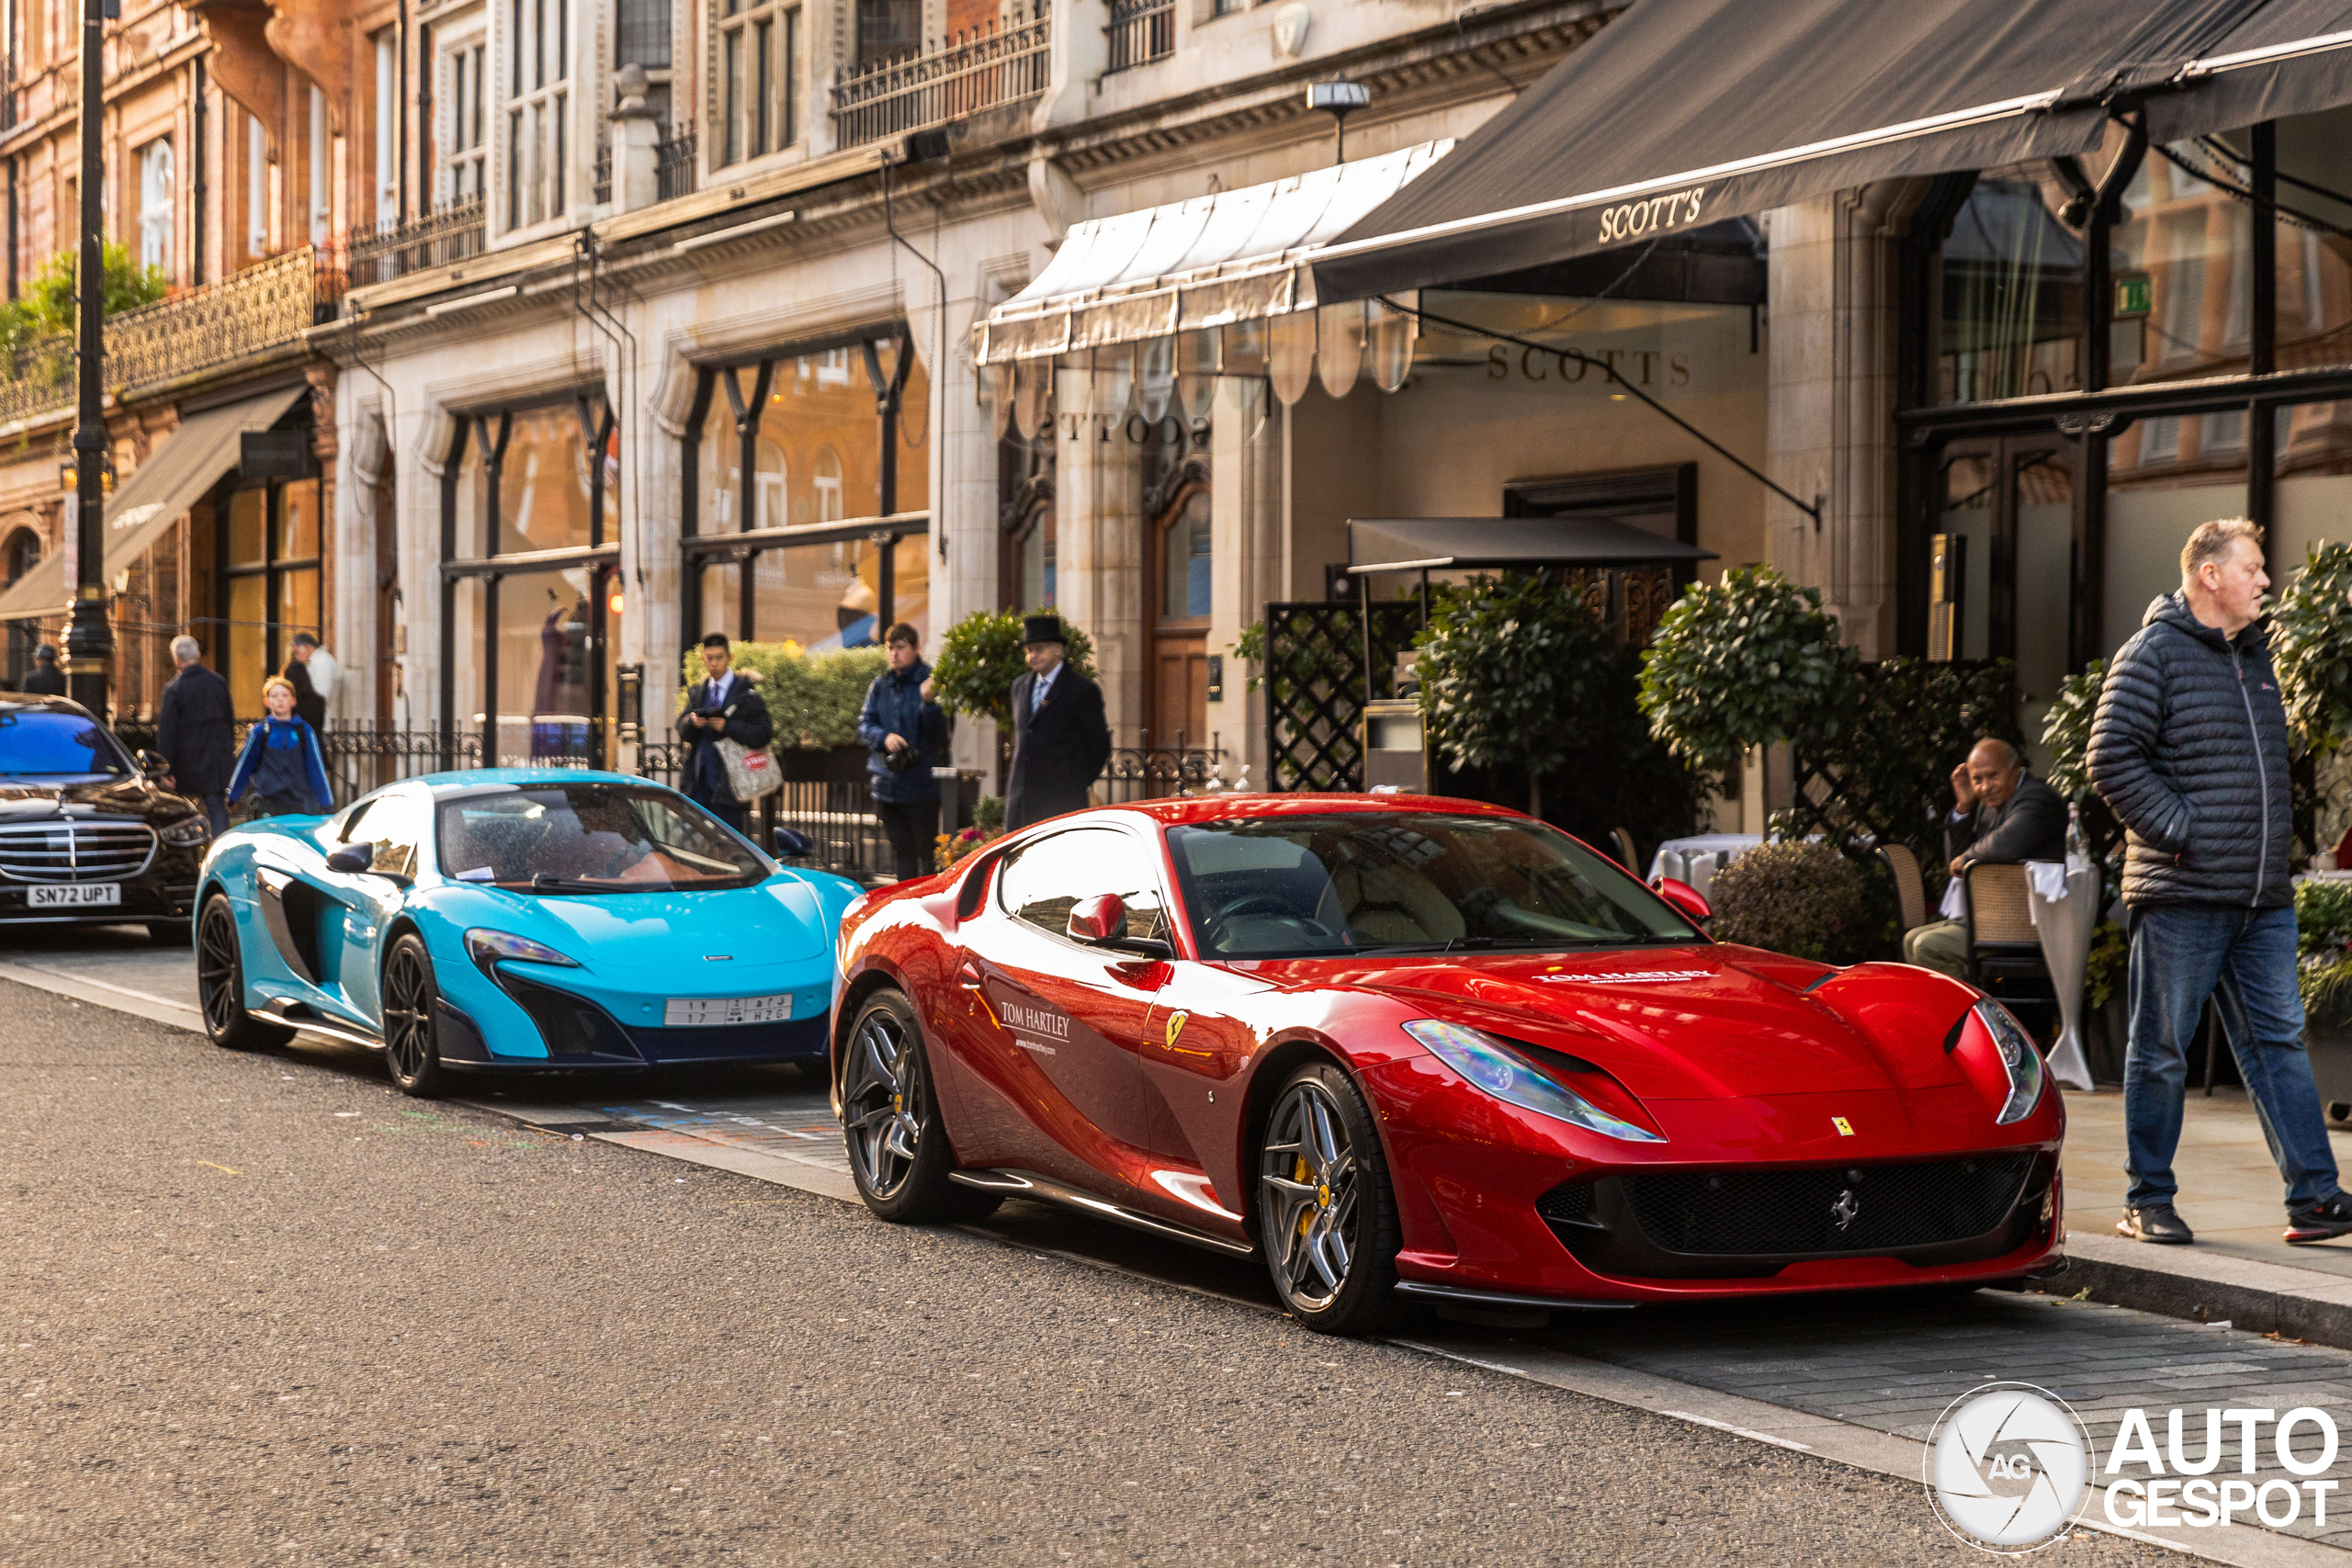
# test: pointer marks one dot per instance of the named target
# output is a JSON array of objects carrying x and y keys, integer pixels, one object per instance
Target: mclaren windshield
[
  {"x": 1360, "y": 882},
  {"x": 591, "y": 837}
]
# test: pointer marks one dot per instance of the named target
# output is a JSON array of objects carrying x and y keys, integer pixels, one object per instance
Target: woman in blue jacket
[{"x": 282, "y": 763}]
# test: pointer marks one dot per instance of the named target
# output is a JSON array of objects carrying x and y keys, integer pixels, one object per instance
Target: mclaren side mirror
[
  {"x": 352, "y": 859},
  {"x": 792, "y": 844},
  {"x": 1687, "y": 902},
  {"x": 1101, "y": 919}
]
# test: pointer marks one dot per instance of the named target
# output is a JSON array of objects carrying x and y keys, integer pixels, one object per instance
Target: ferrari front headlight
[
  {"x": 1489, "y": 1063},
  {"x": 2018, "y": 1059},
  {"x": 485, "y": 947}
]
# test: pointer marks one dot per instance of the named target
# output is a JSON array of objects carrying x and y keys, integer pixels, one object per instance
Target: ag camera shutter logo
[{"x": 2008, "y": 1467}]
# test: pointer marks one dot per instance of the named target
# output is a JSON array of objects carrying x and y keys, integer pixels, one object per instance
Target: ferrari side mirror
[
  {"x": 352, "y": 859},
  {"x": 792, "y": 844},
  {"x": 1098, "y": 919},
  {"x": 1687, "y": 902}
]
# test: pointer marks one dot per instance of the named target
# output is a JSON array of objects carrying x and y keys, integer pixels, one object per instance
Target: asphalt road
[{"x": 261, "y": 1309}]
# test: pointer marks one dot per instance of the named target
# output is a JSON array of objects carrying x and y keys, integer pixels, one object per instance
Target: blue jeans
[{"x": 2181, "y": 954}]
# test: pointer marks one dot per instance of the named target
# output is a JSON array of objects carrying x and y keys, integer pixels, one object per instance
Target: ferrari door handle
[{"x": 969, "y": 976}]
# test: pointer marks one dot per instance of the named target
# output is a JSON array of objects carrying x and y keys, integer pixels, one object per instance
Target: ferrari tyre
[
  {"x": 221, "y": 984},
  {"x": 412, "y": 1045},
  {"x": 898, "y": 1152},
  {"x": 1327, "y": 1216}
]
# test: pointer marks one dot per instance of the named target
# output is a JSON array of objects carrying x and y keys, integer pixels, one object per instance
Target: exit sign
[{"x": 2133, "y": 295}]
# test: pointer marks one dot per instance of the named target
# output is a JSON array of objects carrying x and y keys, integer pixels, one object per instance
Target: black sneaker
[
  {"x": 2167, "y": 1228},
  {"x": 2324, "y": 1221}
]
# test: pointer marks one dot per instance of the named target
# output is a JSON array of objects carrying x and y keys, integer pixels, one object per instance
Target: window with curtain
[
  {"x": 155, "y": 204},
  {"x": 538, "y": 95},
  {"x": 758, "y": 86},
  {"x": 461, "y": 93}
]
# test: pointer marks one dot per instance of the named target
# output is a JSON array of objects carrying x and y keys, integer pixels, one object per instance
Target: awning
[
  {"x": 1462, "y": 543},
  {"x": 190, "y": 462},
  {"x": 1234, "y": 256},
  {"x": 1682, "y": 112}
]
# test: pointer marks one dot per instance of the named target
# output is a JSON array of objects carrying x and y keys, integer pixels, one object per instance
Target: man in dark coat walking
[
  {"x": 721, "y": 706},
  {"x": 1059, "y": 738},
  {"x": 46, "y": 679},
  {"x": 309, "y": 703},
  {"x": 195, "y": 731},
  {"x": 2190, "y": 750}
]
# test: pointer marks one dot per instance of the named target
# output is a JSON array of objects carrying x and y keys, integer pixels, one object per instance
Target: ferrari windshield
[
  {"x": 44, "y": 743},
  {"x": 590, "y": 838},
  {"x": 1363, "y": 881}
]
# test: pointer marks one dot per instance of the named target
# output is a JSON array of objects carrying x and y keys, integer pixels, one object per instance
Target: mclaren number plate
[
  {"x": 72, "y": 895},
  {"x": 716, "y": 1012}
]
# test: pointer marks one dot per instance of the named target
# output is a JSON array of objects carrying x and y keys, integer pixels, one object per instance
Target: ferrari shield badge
[
  {"x": 1175, "y": 1027},
  {"x": 1845, "y": 1128}
]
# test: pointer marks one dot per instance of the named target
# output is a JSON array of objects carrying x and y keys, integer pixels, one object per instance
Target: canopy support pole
[{"x": 1811, "y": 509}]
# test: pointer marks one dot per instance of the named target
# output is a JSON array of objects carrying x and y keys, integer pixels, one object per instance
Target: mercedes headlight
[
  {"x": 2018, "y": 1059},
  {"x": 1489, "y": 1063},
  {"x": 186, "y": 833},
  {"x": 485, "y": 947}
]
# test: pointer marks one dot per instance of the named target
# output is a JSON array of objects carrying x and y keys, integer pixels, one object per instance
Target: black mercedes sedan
[{"x": 87, "y": 836}]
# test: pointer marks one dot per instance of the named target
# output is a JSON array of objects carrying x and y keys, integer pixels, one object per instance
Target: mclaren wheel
[
  {"x": 221, "y": 984},
  {"x": 412, "y": 1051},
  {"x": 898, "y": 1152},
  {"x": 1327, "y": 1215}
]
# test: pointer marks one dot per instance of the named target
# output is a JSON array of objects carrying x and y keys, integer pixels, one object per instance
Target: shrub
[
  {"x": 1752, "y": 661},
  {"x": 988, "y": 814},
  {"x": 2067, "y": 733},
  {"x": 814, "y": 700},
  {"x": 2311, "y": 643},
  {"x": 2323, "y": 950},
  {"x": 1804, "y": 900},
  {"x": 1509, "y": 668},
  {"x": 981, "y": 656},
  {"x": 44, "y": 307}
]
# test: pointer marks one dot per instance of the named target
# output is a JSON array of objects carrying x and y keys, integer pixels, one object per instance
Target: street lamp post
[{"x": 89, "y": 638}]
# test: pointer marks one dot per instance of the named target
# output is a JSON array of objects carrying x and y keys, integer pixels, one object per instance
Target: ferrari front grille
[
  {"x": 1871, "y": 1208},
  {"x": 75, "y": 852}
]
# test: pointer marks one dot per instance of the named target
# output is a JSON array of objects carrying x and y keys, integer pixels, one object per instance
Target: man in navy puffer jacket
[{"x": 2190, "y": 750}]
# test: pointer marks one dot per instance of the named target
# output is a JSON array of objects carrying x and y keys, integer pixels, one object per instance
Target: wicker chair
[
  {"x": 2004, "y": 949},
  {"x": 1910, "y": 889},
  {"x": 1625, "y": 850}
]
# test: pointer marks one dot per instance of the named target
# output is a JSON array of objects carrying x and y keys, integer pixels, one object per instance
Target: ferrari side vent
[{"x": 1569, "y": 1203}]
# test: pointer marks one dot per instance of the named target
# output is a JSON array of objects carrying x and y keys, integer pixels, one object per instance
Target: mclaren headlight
[
  {"x": 186, "y": 833},
  {"x": 1490, "y": 1063},
  {"x": 2018, "y": 1059},
  {"x": 486, "y": 947}
]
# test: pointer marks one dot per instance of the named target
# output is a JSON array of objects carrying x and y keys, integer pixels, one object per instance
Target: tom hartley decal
[{"x": 1024, "y": 1022}]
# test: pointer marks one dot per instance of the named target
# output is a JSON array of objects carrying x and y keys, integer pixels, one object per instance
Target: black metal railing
[
  {"x": 451, "y": 233},
  {"x": 601, "y": 191},
  {"x": 673, "y": 164},
  {"x": 1141, "y": 32},
  {"x": 953, "y": 79}
]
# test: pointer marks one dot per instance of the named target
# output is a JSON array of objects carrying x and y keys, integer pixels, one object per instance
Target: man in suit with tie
[
  {"x": 721, "y": 707},
  {"x": 1059, "y": 738}
]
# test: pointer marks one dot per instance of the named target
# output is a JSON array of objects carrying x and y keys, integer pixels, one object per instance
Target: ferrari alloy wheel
[
  {"x": 411, "y": 1050},
  {"x": 221, "y": 984},
  {"x": 898, "y": 1152},
  {"x": 1328, "y": 1219}
]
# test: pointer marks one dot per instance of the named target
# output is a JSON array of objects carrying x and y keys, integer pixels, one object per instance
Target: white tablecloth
[
  {"x": 2047, "y": 876},
  {"x": 1729, "y": 847}
]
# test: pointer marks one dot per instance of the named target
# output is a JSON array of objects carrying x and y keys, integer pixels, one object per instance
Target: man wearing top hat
[{"x": 1059, "y": 738}]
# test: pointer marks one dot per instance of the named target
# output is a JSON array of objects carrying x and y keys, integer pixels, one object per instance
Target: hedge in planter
[
  {"x": 1804, "y": 900},
  {"x": 812, "y": 699}
]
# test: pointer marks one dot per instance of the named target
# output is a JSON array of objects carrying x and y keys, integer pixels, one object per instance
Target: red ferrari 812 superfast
[{"x": 1405, "y": 1047}]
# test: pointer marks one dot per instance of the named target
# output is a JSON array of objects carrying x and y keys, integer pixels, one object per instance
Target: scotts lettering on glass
[
  {"x": 2171, "y": 1488},
  {"x": 1659, "y": 214}
]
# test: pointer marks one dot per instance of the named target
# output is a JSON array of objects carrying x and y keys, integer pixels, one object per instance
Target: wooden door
[{"x": 1181, "y": 554}]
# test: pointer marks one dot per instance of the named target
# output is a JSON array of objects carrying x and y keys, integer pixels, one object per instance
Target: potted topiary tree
[
  {"x": 981, "y": 656},
  {"x": 2311, "y": 639}
]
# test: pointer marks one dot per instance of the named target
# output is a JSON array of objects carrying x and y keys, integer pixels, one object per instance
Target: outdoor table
[
  {"x": 2064, "y": 925},
  {"x": 1695, "y": 859}
]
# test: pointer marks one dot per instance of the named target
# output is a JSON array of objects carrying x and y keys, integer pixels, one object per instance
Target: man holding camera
[{"x": 905, "y": 733}]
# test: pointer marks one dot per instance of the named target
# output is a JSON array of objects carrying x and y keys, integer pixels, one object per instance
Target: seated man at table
[{"x": 2001, "y": 814}]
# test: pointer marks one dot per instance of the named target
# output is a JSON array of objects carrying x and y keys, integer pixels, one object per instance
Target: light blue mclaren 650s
[{"x": 518, "y": 920}]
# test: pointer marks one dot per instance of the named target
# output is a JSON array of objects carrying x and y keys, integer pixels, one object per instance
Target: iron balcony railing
[
  {"x": 1141, "y": 32},
  {"x": 451, "y": 233},
  {"x": 673, "y": 164},
  {"x": 269, "y": 304},
  {"x": 600, "y": 191},
  {"x": 951, "y": 81}
]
